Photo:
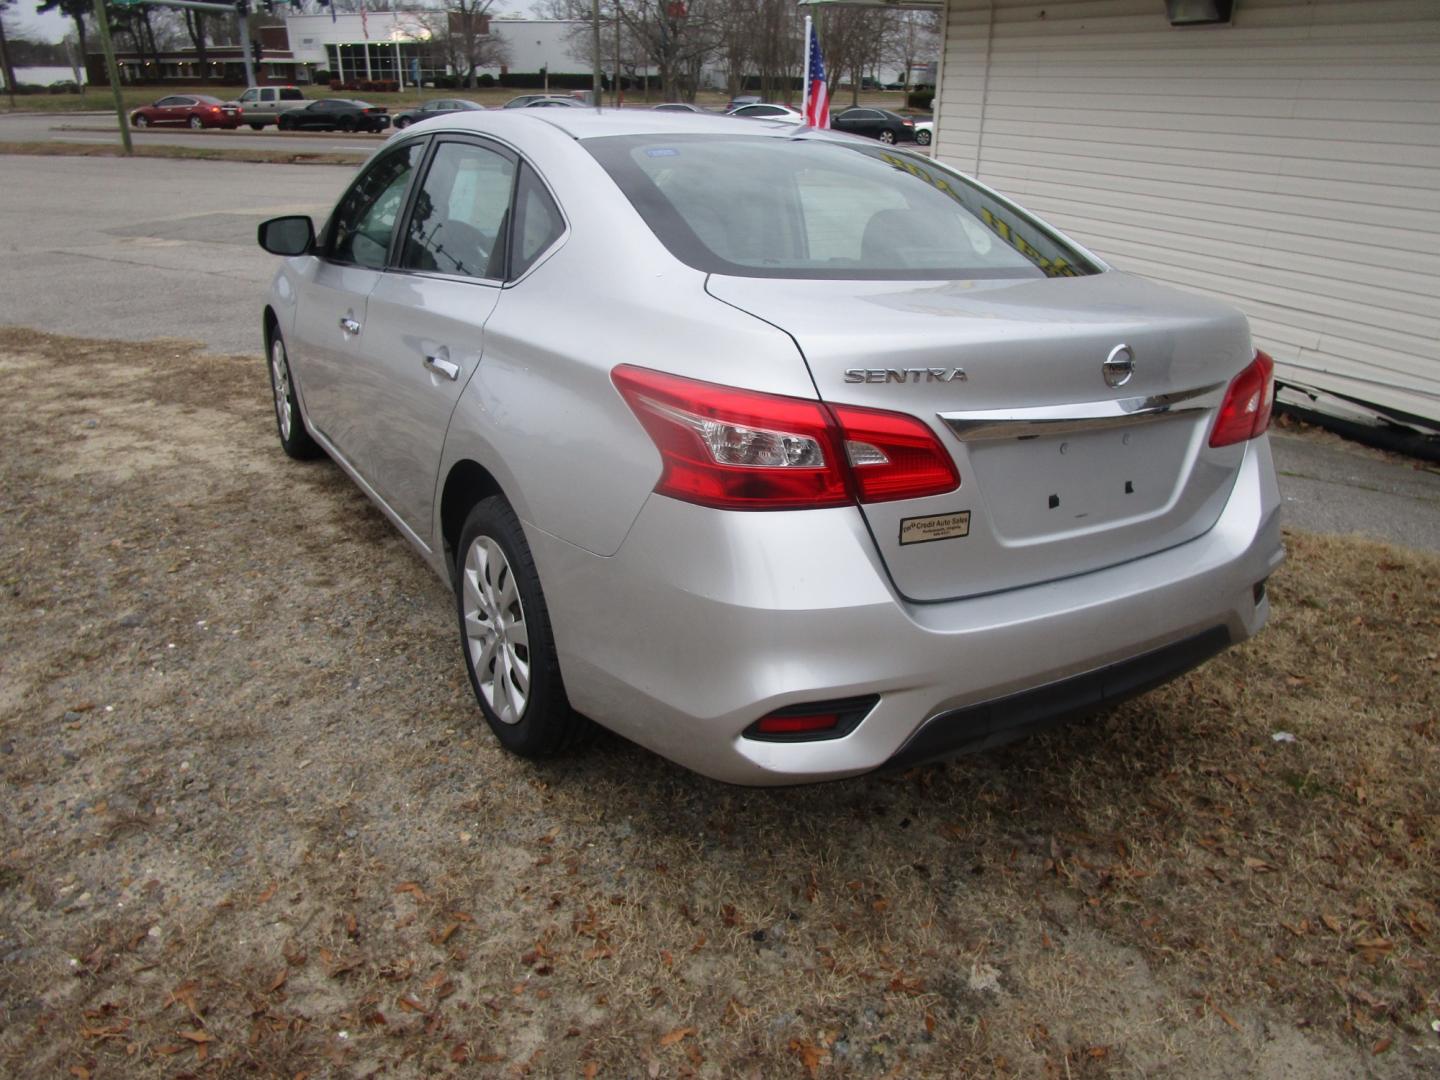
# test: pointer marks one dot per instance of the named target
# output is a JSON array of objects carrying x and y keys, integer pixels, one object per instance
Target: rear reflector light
[
  {"x": 812, "y": 721},
  {"x": 1245, "y": 412},
  {"x": 743, "y": 450}
]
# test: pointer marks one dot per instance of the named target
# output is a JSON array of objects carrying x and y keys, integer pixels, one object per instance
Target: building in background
[{"x": 399, "y": 47}]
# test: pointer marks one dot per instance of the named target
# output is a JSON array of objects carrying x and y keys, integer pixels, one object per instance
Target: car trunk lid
[{"x": 1061, "y": 472}]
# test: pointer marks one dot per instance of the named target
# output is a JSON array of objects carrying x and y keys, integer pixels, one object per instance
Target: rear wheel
[
  {"x": 887, "y": 136},
  {"x": 196, "y": 123},
  {"x": 401, "y": 124},
  {"x": 289, "y": 422},
  {"x": 923, "y": 138},
  {"x": 505, "y": 636}
]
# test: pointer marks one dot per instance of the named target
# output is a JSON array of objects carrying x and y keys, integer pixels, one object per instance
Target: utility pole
[
  {"x": 112, "y": 71},
  {"x": 598, "y": 99}
]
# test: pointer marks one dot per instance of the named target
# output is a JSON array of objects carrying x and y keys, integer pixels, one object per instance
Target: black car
[
  {"x": 336, "y": 114},
  {"x": 880, "y": 124},
  {"x": 438, "y": 107}
]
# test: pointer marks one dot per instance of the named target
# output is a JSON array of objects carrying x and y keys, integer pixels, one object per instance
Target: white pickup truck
[{"x": 261, "y": 105}]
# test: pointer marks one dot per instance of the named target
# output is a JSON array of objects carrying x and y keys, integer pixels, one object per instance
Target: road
[
  {"x": 146, "y": 248},
  {"x": 101, "y": 128}
]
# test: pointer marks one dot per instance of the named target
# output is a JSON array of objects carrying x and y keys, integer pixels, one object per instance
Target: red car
[{"x": 192, "y": 110}]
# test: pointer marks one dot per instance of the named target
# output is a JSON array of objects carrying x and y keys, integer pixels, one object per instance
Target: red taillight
[
  {"x": 797, "y": 725},
  {"x": 908, "y": 123},
  {"x": 742, "y": 450},
  {"x": 215, "y": 109},
  {"x": 1245, "y": 412}
]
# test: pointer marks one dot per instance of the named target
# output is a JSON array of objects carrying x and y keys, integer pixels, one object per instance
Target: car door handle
[
  {"x": 442, "y": 366},
  {"x": 349, "y": 325}
]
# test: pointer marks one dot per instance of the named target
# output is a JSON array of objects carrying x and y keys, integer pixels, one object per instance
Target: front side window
[
  {"x": 250, "y": 95},
  {"x": 457, "y": 225},
  {"x": 364, "y": 222},
  {"x": 815, "y": 208}
]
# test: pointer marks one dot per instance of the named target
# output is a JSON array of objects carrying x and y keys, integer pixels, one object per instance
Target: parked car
[
  {"x": 336, "y": 114},
  {"x": 526, "y": 100},
  {"x": 880, "y": 124},
  {"x": 743, "y": 99},
  {"x": 262, "y": 105},
  {"x": 438, "y": 107},
  {"x": 767, "y": 111},
  {"x": 190, "y": 110},
  {"x": 557, "y": 103},
  {"x": 852, "y": 466},
  {"x": 677, "y": 106},
  {"x": 925, "y": 130}
]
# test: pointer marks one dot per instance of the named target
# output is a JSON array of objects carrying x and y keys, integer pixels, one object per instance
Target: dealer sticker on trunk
[{"x": 923, "y": 530}]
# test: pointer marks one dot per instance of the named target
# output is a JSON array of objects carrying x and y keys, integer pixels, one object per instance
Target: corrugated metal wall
[{"x": 1288, "y": 162}]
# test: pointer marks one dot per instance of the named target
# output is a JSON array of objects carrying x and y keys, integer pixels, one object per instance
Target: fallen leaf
[
  {"x": 278, "y": 981},
  {"x": 413, "y": 888},
  {"x": 810, "y": 1055},
  {"x": 442, "y": 936},
  {"x": 1221, "y": 1012},
  {"x": 729, "y": 916},
  {"x": 1259, "y": 866},
  {"x": 80, "y": 1071},
  {"x": 1331, "y": 923},
  {"x": 591, "y": 1070},
  {"x": 670, "y": 1038},
  {"x": 269, "y": 893},
  {"x": 1381, "y": 1046},
  {"x": 195, "y": 1036}
]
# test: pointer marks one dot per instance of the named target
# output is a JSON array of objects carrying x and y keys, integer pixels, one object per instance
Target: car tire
[
  {"x": 295, "y": 440},
  {"x": 923, "y": 138},
  {"x": 887, "y": 136},
  {"x": 401, "y": 125},
  {"x": 346, "y": 123},
  {"x": 257, "y": 127},
  {"x": 196, "y": 123},
  {"x": 140, "y": 121},
  {"x": 515, "y": 675}
]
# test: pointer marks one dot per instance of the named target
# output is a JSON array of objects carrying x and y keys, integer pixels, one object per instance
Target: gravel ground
[{"x": 250, "y": 823}]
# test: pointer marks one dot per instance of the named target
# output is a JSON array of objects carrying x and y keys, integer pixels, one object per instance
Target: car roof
[{"x": 598, "y": 123}]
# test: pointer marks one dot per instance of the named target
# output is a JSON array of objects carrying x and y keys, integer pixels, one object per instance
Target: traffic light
[
  {"x": 255, "y": 51},
  {"x": 242, "y": 8}
]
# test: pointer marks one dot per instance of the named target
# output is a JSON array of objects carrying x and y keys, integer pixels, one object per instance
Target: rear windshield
[{"x": 812, "y": 208}]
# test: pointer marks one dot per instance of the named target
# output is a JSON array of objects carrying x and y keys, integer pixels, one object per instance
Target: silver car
[{"x": 785, "y": 454}]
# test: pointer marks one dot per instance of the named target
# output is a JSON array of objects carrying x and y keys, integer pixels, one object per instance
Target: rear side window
[
  {"x": 538, "y": 223},
  {"x": 815, "y": 208},
  {"x": 289, "y": 93},
  {"x": 457, "y": 225}
]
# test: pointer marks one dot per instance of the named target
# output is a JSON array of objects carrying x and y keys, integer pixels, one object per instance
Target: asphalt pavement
[
  {"x": 101, "y": 128},
  {"x": 144, "y": 248}
]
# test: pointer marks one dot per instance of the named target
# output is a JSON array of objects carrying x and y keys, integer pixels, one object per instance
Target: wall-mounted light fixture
[{"x": 1198, "y": 12}]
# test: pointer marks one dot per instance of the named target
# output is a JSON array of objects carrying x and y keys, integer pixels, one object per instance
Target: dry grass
[
  {"x": 251, "y": 825},
  {"x": 189, "y": 153}
]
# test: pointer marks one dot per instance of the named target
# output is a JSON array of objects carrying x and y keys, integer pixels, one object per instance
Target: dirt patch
[{"x": 251, "y": 823}]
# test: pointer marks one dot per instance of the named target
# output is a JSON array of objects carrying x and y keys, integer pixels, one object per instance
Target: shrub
[
  {"x": 486, "y": 80},
  {"x": 922, "y": 97}
]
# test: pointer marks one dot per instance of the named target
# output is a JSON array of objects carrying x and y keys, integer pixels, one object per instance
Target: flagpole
[{"x": 805, "y": 72}]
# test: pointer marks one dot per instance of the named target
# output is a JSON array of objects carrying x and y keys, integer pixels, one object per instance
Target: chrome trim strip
[
  {"x": 1030, "y": 423},
  {"x": 369, "y": 492}
]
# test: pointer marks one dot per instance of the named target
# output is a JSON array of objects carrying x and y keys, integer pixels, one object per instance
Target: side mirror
[{"x": 290, "y": 235}]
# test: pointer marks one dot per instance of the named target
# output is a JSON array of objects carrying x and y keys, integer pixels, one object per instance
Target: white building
[
  {"x": 396, "y": 45},
  {"x": 1287, "y": 160}
]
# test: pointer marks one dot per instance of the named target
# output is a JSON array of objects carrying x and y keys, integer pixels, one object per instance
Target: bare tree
[
  {"x": 913, "y": 37},
  {"x": 460, "y": 30},
  {"x": 853, "y": 41}
]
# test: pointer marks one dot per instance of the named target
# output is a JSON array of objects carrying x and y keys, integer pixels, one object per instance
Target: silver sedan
[{"x": 784, "y": 454}]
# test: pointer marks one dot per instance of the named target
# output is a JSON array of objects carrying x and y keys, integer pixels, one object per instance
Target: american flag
[{"x": 817, "y": 104}]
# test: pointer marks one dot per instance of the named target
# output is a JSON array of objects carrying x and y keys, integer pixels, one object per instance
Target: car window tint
[
  {"x": 365, "y": 219},
  {"x": 167, "y": 102},
  {"x": 538, "y": 223},
  {"x": 457, "y": 225},
  {"x": 291, "y": 94},
  {"x": 815, "y": 208}
]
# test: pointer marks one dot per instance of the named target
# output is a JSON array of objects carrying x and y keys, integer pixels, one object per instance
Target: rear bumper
[{"x": 705, "y": 621}]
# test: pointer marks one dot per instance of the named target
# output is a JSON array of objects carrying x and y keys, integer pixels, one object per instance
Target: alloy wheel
[
  {"x": 496, "y": 634},
  {"x": 280, "y": 380},
  {"x": 887, "y": 136}
]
